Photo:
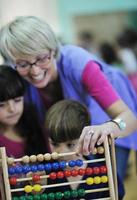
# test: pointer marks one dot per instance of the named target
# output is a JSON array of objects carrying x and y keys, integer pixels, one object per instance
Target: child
[
  {"x": 64, "y": 123},
  {"x": 20, "y": 131}
]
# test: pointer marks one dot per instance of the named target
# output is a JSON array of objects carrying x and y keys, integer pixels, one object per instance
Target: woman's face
[{"x": 39, "y": 71}]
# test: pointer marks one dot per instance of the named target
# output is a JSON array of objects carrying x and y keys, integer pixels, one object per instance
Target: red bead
[
  {"x": 74, "y": 172},
  {"x": 53, "y": 175},
  {"x": 96, "y": 170},
  {"x": 60, "y": 174},
  {"x": 67, "y": 173},
  {"x": 36, "y": 177},
  {"x": 103, "y": 169},
  {"x": 13, "y": 181},
  {"x": 81, "y": 172},
  {"x": 89, "y": 171}
]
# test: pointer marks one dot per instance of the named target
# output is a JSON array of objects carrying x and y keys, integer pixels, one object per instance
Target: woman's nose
[
  {"x": 11, "y": 106},
  {"x": 34, "y": 69}
]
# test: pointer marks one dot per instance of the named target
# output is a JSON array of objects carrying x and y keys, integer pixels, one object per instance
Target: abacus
[{"x": 12, "y": 170}]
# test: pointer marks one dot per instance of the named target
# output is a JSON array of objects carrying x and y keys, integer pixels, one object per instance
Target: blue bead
[
  {"x": 79, "y": 162},
  {"x": 18, "y": 169},
  {"x": 41, "y": 167},
  {"x": 48, "y": 167},
  {"x": 72, "y": 163},
  {"x": 34, "y": 168},
  {"x": 26, "y": 169},
  {"x": 62, "y": 164},
  {"x": 55, "y": 166},
  {"x": 11, "y": 170}
]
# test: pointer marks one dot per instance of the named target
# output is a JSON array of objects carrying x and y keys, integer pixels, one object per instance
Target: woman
[{"x": 64, "y": 72}]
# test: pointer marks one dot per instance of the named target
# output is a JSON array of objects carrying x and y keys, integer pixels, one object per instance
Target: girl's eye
[
  {"x": 18, "y": 99},
  {"x": 71, "y": 145},
  {"x": 55, "y": 144},
  {"x": 2, "y": 105}
]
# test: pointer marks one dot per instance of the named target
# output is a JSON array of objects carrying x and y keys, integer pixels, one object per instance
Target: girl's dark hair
[
  {"x": 65, "y": 120},
  {"x": 11, "y": 86}
]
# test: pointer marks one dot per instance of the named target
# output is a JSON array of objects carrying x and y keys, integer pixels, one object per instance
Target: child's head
[
  {"x": 12, "y": 89},
  {"x": 64, "y": 123}
]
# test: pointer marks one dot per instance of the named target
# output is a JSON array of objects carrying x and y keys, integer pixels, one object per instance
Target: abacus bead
[
  {"x": 36, "y": 197},
  {"x": 62, "y": 164},
  {"x": 94, "y": 151},
  {"x": 22, "y": 198},
  {"x": 79, "y": 163},
  {"x": 10, "y": 161},
  {"x": 81, "y": 192},
  {"x": 43, "y": 197},
  {"x": 18, "y": 169},
  {"x": 88, "y": 171},
  {"x": 15, "y": 198},
  {"x": 36, "y": 177},
  {"x": 97, "y": 180},
  {"x": 40, "y": 157},
  {"x": 11, "y": 170},
  {"x": 67, "y": 173},
  {"x": 13, "y": 181},
  {"x": 55, "y": 166},
  {"x": 104, "y": 179},
  {"x": 51, "y": 196},
  {"x": 41, "y": 167},
  {"x": 47, "y": 156},
  {"x": 67, "y": 194},
  {"x": 60, "y": 174},
  {"x": 28, "y": 188},
  {"x": 53, "y": 176},
  {"x": 54, "y": 155},
  {"x": 103, "y": 169},
  {"x": 74, "y": 172},
  {"x": 29, "y": 197},
  {"x": 26, "y": 169},
  {"x": 34, "y": 168},
  {"x": 96, "y": 170},
  {"x": 25, "y": 159},
  {"x": 48, "y": 167},
  {"x": 72, "y": 163},
  {"x": 100, "y": 150},
  {"x": 37, "y": 188},
  {"x": 58, "y": 195},
  {"x": 74, "y": 193},
  {"x": 89, "y": 181},
  {"x": 81, "y": 172},
  {"x": 33, "y": 158}
]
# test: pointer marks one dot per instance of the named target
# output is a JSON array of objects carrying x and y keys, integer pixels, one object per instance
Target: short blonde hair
[{"x": 25, "y": 36}]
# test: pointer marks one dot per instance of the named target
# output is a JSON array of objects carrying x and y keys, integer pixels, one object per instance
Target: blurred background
[{"x": 100, "y": 26}]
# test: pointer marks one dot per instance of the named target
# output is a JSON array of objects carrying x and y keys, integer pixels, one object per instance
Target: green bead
[
  {"x": 58, "y": 195},
  {"x": 15, "y": 198},
  {"x": 36, "y": 197},
  {"x": 29, "y": 197},
  {"x": 43, "y": 197},
  {"x": 81, "y": 192},
  {"x": 67, "y": 194},
  {"x": 51, "y": 196},
  {"x": 22, "y": 198},
  {"x": 74, "y": 193}
]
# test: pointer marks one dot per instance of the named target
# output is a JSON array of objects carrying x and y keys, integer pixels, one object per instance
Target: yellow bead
[
  {"x": 25, "y": 159},
  {"x": 33, "y": 158},
  {"x": 37, "y": 188},
  {"x": 28, "y": 188},
  {"x": 10, "y": 161},
  {"x": 97, "y": 180},
  {"x": 89, "y": 181},
  {"x": 100, "y": 150},
  {"x": 104, "y": 179},
  {"x": 54, "y": 155}
]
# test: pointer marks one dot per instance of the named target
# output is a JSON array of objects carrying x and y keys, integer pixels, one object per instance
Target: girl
[{"x": 20, "y": 131}]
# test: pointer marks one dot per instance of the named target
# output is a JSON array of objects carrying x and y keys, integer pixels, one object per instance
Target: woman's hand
[{"x": 92, "y": 135}]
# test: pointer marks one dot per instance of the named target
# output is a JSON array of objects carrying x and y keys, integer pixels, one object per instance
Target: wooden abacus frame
[{"x": 109, "y": 157}]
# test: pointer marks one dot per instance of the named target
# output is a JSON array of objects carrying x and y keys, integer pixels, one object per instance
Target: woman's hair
[
  {"x": 13, "y": 86},
  {"x": 65, "y": 120},
  {"x": 25, "y": 36}
]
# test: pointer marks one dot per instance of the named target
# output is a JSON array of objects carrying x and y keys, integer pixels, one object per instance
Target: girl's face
[
  {"x": 39, "y": 71},
  {"x": 64, "y": 147},
  {"x": 11, "y": 111}
]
